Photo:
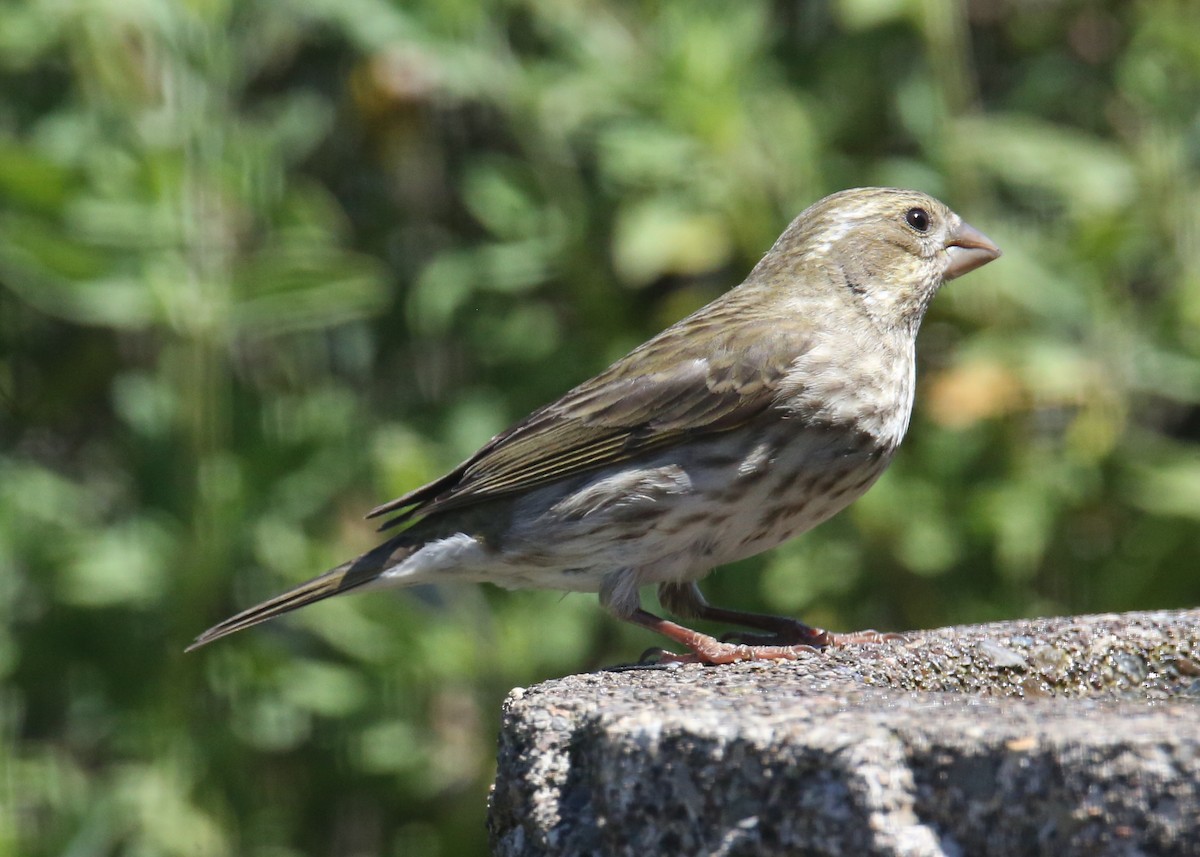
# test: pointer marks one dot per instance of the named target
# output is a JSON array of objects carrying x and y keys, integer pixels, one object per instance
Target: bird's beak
[{"x": 968, "y": 249}]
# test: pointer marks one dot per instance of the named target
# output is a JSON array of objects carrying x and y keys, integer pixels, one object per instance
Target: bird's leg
[
  {"x": 686, "y": 600},
  {"x": 619, "y": 594},
  {"x": 709, "y": 650}
]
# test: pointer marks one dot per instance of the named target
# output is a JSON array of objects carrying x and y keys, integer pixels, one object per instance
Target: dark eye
[{"x": 918, "y": 219}]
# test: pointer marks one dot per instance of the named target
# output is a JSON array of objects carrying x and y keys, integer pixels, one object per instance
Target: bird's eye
[{"x": 918, "y": 219}]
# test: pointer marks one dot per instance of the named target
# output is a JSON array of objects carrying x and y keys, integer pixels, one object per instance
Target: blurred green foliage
[{"x": 266, "y": 264}]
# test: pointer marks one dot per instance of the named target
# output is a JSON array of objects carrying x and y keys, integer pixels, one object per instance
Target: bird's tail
[{"x": 347, "y": 576}]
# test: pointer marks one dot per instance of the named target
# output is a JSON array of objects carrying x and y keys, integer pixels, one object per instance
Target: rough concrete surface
[{"x": 1073, "y": 736}]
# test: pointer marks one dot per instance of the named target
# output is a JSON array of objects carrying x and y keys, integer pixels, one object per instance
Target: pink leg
[
  {"x": 783, "y": 633},
  {"x": 709, "y": 650}
]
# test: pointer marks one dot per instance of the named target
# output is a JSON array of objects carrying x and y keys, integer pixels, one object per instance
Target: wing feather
[{"x": 704, "y": 377}]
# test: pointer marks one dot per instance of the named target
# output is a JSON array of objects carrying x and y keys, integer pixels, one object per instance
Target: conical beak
[{"x": 968, "y": 249}]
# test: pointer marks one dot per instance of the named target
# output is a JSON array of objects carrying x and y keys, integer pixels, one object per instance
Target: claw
[{"x": 653, "y": 655}]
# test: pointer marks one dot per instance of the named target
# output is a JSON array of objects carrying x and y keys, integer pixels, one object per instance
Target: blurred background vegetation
[{"x": 265, "y": 264}]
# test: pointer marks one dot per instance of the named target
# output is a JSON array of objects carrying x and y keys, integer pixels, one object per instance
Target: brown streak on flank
[
  {"x": 695, "y": 518},
  {"x": 775, "y": 514},
  {"x": 831, "y": 482},
  {"x": 864, "y": 481},
  {"x": 736, "y": 491}
]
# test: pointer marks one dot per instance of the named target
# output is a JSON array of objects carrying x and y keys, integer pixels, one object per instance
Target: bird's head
[{"x": 890, "y": 249}]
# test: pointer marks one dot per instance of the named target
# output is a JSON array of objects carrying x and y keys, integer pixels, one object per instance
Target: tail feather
[{"x": 347, "y": 576}]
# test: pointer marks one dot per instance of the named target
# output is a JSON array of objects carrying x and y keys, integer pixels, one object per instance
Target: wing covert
[{"x": 691, "y": 380}]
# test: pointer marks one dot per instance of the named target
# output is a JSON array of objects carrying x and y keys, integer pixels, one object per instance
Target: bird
[{"x": 749, "y": 422}]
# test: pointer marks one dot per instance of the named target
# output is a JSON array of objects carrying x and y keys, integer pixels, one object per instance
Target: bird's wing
[{"x": 704, "y": 375}]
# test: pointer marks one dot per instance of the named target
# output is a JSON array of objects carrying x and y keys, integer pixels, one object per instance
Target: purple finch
[{"x": 749, "y": 422}]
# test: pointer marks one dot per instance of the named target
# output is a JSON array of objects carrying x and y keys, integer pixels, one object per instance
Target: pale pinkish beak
[{"x": 968, "y": 249}]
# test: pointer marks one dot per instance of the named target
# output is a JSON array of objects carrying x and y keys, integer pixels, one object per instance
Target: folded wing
[{"x": 700, "y": 377}]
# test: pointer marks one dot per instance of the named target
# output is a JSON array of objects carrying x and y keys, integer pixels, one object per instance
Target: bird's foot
[
  {"x": 712, "y": 651},
  {"x": 787, "y": 640},
  {"x": 799, "y": 634},
  {"x": 782, "y": 633},
  {"x": 764, "y": 647}
]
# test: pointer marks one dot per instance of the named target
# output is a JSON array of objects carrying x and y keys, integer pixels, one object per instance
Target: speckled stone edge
[{"x": 1061, "y": 736}]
